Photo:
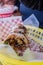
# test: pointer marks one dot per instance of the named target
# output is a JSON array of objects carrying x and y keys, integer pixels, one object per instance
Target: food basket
[{"x": 34, "y": 33}]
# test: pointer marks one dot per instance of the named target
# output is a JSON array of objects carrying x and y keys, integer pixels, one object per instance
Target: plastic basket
[
  {"x": 37, "y": 35},
  {"x": 4, "y": 60}
]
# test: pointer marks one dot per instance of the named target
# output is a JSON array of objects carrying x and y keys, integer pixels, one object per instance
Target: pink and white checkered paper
[{"x": 6, "y": 25}]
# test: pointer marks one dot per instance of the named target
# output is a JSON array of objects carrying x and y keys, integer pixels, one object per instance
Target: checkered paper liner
[{"x": 6, "y": 25}]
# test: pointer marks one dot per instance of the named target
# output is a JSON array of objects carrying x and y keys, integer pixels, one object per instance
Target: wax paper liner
[{"x": 6, "y": 25}]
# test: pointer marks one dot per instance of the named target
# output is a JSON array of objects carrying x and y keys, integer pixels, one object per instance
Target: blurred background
[{"x": 28, "y": 7}]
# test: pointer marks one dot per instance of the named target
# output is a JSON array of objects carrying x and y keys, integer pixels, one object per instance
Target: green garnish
[{"x": 6, "y": 43}]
